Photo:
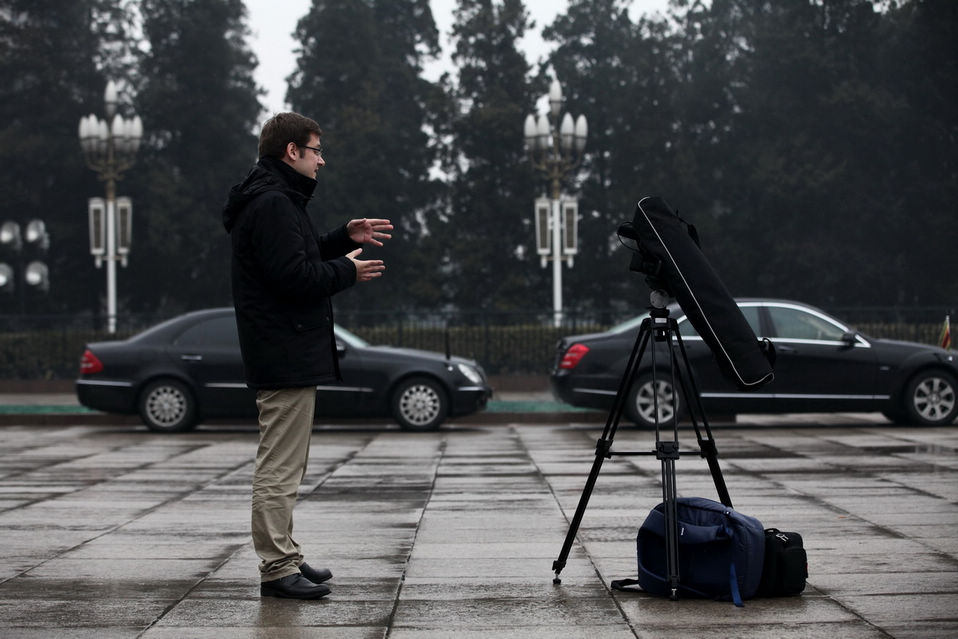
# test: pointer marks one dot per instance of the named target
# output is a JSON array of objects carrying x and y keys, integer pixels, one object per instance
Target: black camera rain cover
[{"x": 667, "y": 240}]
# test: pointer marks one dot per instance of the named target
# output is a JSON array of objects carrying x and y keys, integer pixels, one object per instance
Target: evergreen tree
[
  {"x": 804, "y": 153},
  {"x": 48, "y": 81},
  {"x": 491, "y": 244},
  {"x": 812, "y": 143},
  {"x": 359, "y": 76},
  {"x": 618, "y": 74},
  {"x": 918, "y": 63},
  {"x": 199, "y": 106}
]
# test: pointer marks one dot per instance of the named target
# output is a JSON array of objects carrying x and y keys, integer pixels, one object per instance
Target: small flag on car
[{"x": 945, "y": 340}]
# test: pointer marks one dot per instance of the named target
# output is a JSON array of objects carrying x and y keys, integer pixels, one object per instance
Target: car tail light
[
  {"x": 573, "y": 356},
  {"x": 90, "y": 363}
]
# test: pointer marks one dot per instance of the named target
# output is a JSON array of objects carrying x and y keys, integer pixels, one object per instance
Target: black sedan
[
  {"x": 189, "y": 368},
  {"x": 822, "y": 366}
]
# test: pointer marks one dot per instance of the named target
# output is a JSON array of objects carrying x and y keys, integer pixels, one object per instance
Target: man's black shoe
[
  {"x": 317, "y": 576},
  {"x": 293, "y": 587}
]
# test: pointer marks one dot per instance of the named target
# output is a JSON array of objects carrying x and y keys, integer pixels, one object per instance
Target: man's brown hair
[{"x": 283, "y": 128}]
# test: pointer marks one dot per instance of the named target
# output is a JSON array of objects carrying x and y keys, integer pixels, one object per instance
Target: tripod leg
[
  {"x": 670, "y": 494},
  {"x": 618, "y": 404},
  {"x": 667, "y": 453},
  {"x": 603, "y": 446},
  {"x": 711, "y": 457},
  {"x": 560, "y": 562},
  {"x": 707, "y": 443}
]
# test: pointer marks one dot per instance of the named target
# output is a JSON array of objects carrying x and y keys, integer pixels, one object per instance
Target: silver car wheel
[
  {"x": 167, "y": 406},
  {"x": 419, "y": 404},
  {"x": 933, "y": 399},
  {"x": 646, "y": 399}
]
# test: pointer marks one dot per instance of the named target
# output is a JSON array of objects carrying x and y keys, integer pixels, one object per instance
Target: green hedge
[
  {"x": 502, "y": 350},
  {"x": 924, "y": 333},
  {"x": 45, "y": 354}
]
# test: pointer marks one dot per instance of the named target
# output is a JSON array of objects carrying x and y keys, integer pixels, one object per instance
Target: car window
[
  {"x": 751, "y": 316},
  {"x": 628, "y": 324},
  {"x": 795, "y": 323},
  {"x": 686, "y": 329},
  {"x": 216, "y": 331},
  {"x": 350, "y": 339}
]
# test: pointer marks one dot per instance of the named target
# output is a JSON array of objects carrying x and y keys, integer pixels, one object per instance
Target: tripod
[{"x": 662, "y": 328}]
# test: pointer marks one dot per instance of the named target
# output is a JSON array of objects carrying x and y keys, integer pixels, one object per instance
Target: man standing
[{"x": 283, "y": 276}]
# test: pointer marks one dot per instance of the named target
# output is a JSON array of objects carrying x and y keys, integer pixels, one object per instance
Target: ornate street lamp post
[
  {"x": 109, "y": 148},
  {"x": 555, "y": 147}
]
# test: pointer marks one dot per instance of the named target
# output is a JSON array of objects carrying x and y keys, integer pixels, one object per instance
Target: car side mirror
[{"x": 849, "y": 338}]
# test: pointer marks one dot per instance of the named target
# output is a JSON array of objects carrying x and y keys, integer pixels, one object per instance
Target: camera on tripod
[
  {"x": 643, "y": 262},
  {"x": 666, "y": 249}
]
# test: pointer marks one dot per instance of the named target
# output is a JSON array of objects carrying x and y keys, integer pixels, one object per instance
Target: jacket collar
[{"x": 295, "y": 181}]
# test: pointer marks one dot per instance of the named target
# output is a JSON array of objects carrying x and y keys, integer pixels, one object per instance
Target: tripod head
[
  {"x": 643, "y": 261},
  {"x": 658, "y": 299},
  {"x": 659, "y": 315}
]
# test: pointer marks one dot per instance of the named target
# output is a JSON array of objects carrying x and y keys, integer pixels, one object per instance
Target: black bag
[
  {"x": 785, "y": 568},
  {"x": 671, "y": 255}
]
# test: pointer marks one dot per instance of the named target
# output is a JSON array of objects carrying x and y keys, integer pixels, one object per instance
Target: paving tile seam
[
  {"x": 180, "y": 496},
  {"x": 319, "y": 479},
  {"x": 437, "y": 463},
  {"x": 885, "y": 477},
  {"x": 864, "y": 620},
  {"x": 199, "y": 582},
  {"x": 823, "y": 503},
  {"x": 880, "y": 478},
  {"x": 302, "y": 496},
  {"x": 58, "y": 462},
  {"x": 892, "y": 532},
  {"x": 544, "y": 480}
]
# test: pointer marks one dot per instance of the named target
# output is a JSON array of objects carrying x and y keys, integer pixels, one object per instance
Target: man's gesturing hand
[
  {"x": 368, "y": 231},
  {"x": 366, "y": 269}
]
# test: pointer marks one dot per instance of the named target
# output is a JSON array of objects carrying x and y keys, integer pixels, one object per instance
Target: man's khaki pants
[{"x": 285, "y": 424}]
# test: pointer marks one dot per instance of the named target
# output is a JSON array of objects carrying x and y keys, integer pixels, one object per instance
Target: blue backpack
[{"x": 721, "y": 551}]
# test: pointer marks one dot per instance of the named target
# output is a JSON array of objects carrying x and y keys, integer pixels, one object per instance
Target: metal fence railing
[{"x": 34, "y": 347}]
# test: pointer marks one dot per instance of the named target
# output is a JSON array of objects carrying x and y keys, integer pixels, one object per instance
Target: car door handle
[
  {"x": 191, "y": 358},
  {"x": 785, "y": 349}
]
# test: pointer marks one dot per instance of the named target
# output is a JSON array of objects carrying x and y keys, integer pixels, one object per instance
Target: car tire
[
  {"x": 931, "y": 398},
  {"x": 894, "y": 416},
  {"x": 640, "y": 406},
  {"x": 419, "y": 404},
  {"x": 167, "y": 406}
]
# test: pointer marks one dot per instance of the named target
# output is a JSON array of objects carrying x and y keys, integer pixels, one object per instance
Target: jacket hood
[{"x": 268, "y": 174}]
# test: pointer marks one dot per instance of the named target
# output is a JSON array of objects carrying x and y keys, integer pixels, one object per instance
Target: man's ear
[{"x": 292, "y": 151}]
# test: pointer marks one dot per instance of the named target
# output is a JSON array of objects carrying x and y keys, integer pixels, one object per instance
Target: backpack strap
[
  {"x": 623, "y": 585},
  {"x": 733, "y": 586},
  {"x": 732, "y": 576}
]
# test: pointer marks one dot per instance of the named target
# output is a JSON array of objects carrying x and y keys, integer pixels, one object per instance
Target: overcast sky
[{"x": 272, "y": 23}]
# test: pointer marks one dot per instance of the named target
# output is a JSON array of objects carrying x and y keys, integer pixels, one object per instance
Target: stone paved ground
[{"x": 110, "y": 531}]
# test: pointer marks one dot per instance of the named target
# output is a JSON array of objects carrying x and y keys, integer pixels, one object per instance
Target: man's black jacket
[{"x": 283, "y": 276}]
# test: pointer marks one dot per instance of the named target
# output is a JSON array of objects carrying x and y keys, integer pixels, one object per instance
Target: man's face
[{"x": 309, "y": 159}]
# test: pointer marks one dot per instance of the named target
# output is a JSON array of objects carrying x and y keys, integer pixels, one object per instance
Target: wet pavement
[{"x": 112, "y": 531}]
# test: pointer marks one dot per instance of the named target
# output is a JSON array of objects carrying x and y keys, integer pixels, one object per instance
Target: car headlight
[{"x": 471, "y": 373}]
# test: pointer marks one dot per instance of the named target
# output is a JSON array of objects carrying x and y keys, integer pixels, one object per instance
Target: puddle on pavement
[{"x": 912, "y": 449}]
